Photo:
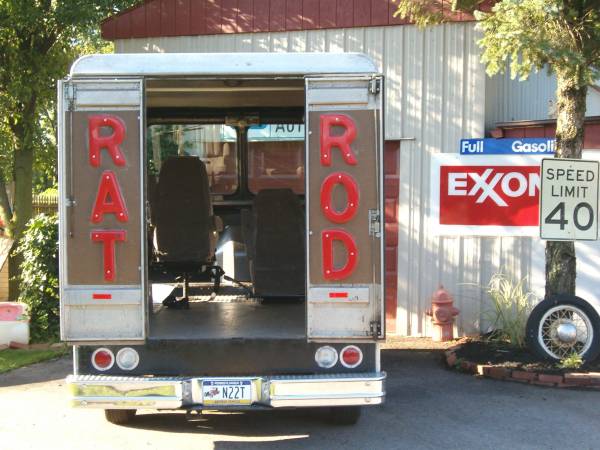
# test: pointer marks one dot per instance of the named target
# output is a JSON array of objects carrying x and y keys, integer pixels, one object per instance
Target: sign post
[{"x": 569, "y": 199}]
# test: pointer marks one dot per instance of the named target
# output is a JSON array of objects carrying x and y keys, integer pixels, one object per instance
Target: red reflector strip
[
  {"x": 101, "y": 296},
  {"x": 338, "y": 295}
]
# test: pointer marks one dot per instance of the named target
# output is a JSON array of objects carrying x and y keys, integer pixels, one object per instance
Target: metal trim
[
  {"x": 306, "y": 204},
  {"x": 61, "y": 201},
  {"x": 143, "y": 224},
  {"x": 381, "y": 156},
  {"x": 223, "y": 64},
  {"x": 105, "y": 391},
  {"x": 130, "y": 403}
]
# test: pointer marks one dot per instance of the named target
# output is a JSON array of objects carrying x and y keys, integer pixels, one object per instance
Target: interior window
[
  {"x": 276, "y": 157},
  {"x": 215, "y": 145}
]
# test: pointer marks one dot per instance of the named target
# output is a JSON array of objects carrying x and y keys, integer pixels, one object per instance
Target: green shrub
[
  {"x": 511, "y": 308},
  {"x": 573, "y": 361},
  {"x": 38, "y": 277}
]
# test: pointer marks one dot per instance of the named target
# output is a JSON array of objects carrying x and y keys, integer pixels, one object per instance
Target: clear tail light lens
[
  {"x": 326, "y": 356},
  {"x": 351, "y": 356},
  {"x": 103, "y": 359},
  {"x": 127, "y": 358}
]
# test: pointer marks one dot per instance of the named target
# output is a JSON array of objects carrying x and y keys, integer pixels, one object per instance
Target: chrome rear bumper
[{"x": 110, "y": 392}]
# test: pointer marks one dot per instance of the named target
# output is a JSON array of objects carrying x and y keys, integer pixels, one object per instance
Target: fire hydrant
[{"x": 442, "y": 315}]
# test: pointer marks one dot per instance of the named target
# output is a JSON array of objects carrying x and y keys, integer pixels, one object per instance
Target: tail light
[
  {"x": 351, "y": 356},
  {"x": 326, "y": 356},
  {"x": 103, "y": 359},
  {"x": 127, "y": 358}
]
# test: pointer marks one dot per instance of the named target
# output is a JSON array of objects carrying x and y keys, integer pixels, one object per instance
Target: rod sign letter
[
  {"x": 352, "y": 196},
  {"x": 110, "y": 142},
  {"x": 341, "y": 141},
  {"x": 328, "y": 236}
]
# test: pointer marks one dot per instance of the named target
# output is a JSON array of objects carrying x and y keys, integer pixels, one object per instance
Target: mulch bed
[{"x": 501, "y": 361}]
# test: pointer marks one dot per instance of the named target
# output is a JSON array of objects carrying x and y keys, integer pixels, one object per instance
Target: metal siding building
[
  {"x": 435, "y": 95},
  {"x": 532, "y": 99}
]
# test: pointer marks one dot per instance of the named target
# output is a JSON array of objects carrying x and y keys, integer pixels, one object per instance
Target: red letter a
[{"x": 109, "y": 199}]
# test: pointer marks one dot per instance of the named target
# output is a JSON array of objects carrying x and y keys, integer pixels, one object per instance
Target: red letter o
[{"x": 352, "y": 197}]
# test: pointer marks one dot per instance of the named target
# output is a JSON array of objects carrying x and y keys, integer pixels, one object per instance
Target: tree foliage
[
  {"x": 39, "y": 276},
  {"x": 526, "y": 36},
  {"x": 38, "y": 41},
  {"x": 532, "y": 34}
]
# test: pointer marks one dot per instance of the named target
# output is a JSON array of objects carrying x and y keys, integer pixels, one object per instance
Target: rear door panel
[
  {"x": 343, "y": 221},
  {"x": 101, "y": 214}
]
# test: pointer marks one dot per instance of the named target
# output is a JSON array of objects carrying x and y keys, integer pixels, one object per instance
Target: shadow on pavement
[
  {"x": 260, "y": 429},
  {"x": 57, "y": 369}
]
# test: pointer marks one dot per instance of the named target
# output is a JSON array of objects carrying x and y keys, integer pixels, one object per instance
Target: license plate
[{"x": 227, "y": 392}]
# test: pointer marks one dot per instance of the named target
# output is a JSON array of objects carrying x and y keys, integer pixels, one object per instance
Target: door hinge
[
  {"x": 374, "y": 223},
  {"x": 375, "y": 86},
  {"x": 375, "y": 328},
  {"x": 70, "y": 94}
]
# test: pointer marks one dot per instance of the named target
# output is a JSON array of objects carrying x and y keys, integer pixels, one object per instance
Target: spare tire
[{"x": 562, "y": 325}]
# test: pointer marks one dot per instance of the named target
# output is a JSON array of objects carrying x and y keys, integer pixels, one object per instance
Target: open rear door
[
  {"x": 344, "y": 207},
  {"x": 102, "y": 281}
]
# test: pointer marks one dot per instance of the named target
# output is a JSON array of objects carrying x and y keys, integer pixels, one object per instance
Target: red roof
[{"x": 157, "y": 18}]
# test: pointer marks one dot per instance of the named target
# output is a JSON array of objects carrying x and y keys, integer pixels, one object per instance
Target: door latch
[
  {"x": 70, "y": 94},
  {"x": 375, "y": 328},
  {"x": 374, "y": 223},
  {"x": 375, "y": 86}
]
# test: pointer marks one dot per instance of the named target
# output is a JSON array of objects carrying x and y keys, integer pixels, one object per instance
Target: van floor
[{"x": 224, "y": 318}]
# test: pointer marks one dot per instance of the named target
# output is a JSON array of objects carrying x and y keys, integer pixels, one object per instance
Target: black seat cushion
[
  {"x": 276, "y": 245},
  {"x": 183, "y": 214}
]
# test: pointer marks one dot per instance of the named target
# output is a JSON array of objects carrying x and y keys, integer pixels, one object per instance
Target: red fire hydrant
[{"x": 442, "y": 315}]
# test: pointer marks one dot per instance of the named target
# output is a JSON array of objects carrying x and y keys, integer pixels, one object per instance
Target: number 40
[{"x": 560, "y": 212}]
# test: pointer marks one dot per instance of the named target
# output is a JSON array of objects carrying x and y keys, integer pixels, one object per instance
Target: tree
[
  {"x": 38, "y": 41},
  {"x": 532, "y": 35}
]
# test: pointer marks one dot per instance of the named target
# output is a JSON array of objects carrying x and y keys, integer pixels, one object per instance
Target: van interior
[{"x": 225, "y": 181}]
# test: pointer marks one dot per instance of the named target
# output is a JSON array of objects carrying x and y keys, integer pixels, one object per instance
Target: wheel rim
[{"x": 564, "y": 330}]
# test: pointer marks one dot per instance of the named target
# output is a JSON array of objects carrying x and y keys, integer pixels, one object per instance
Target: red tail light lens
[
  {"x": 351, "y": 356},
  {"x": 103, "y": 359}
]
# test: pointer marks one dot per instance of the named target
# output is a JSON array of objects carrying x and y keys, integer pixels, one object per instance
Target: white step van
[{"x": 221, "y": 238}]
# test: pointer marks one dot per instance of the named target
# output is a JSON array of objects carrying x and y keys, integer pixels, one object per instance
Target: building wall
[
  {"x": 435, "y": 95},
  {"x": 532, "y": 99}
]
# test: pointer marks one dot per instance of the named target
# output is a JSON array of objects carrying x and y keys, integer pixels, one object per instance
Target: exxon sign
[{"x": 493, "y": 196}]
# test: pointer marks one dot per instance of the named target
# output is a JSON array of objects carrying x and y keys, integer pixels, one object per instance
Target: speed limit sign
[{"x": 569, "y": 200}]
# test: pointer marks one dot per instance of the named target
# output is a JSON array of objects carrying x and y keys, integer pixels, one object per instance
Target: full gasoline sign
[{"x": 569, "y": 200}]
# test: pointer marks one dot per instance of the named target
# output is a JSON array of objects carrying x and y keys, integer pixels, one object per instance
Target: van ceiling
[{"x": 229, "y": 93}]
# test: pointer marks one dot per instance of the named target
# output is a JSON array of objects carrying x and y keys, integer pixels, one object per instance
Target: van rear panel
[
  {"x": 101, "y": 220},
  {"x": 221, "y": 358},
  {"x": 344, "y": 232}
]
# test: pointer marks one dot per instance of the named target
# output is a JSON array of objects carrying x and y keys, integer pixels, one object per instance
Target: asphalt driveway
[{"x": 427, "y": 407}]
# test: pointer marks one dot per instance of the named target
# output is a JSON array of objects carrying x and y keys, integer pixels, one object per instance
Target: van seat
[
  {"x": 185, "y": 225},
  {"x": 274, "y": 234}
]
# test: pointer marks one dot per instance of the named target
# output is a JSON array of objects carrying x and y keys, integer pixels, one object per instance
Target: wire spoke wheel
[
  {"x": 563, "y": 325},
  {"x": 564, "y": 330}
]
